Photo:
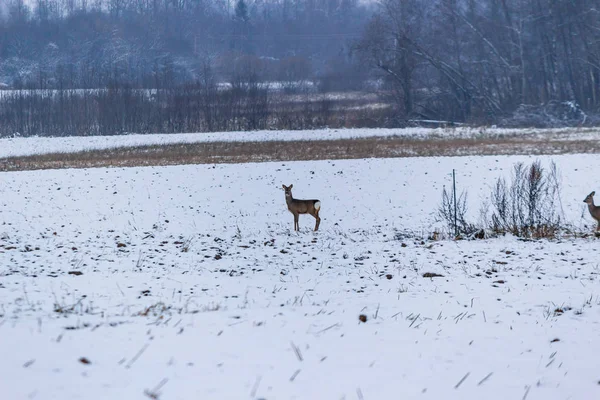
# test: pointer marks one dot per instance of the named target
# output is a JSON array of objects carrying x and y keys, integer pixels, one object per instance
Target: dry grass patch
[{"x": 243, "y": 152}]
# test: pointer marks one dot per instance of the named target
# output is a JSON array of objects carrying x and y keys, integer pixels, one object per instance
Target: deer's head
[
  {"x": 590, "y": 198},
  {"x": 288, "y": 190}
]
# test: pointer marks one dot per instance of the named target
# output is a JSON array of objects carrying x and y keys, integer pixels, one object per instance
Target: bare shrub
[
  {"x": 455, "y": 217},
  {"x": 529, "y": 205}
]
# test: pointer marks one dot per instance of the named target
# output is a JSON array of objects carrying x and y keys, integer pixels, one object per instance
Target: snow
[
  {"x": 194, "y": 285},
  {"x": 19, "y": 146}
]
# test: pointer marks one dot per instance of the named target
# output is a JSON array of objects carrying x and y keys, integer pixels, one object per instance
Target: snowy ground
[
  {"x": 10, "y": 147},
  {"x": 186, "y": 282}
]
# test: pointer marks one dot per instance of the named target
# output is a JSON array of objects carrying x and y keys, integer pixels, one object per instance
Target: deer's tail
[{"x": 317, "y": 205}]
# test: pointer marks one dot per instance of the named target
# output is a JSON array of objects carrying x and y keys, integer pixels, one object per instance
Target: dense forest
[
  {"x": 537, "y": 61},
  {"x": 113, "y": 66},
  {"x": 160, "y": 43}
]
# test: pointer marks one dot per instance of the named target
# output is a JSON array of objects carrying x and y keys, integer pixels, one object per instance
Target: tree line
[
  {"x": 162, "y": 43},
  {"x": 506, "y": 62}
]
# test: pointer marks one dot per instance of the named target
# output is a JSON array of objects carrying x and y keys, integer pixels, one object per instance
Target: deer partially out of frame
[
  {"x": 594, "y": 210},
  {"x": 298, "y": 207}
]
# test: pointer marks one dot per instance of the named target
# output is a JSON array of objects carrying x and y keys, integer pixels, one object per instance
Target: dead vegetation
[
  {"x": 528, "y": 205},
  {"x": 243, "y": 152}
]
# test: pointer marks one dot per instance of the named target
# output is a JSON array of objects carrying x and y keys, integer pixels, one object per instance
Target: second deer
[
  {"x": 594, "y": 210},
  {"x": 298, "y": 207}
]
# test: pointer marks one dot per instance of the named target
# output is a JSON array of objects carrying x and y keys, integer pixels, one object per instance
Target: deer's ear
[
  {"x": 593, "y": 193},
  {"x": 283, "y": 186},
  {"x": 291, "y": 186}
]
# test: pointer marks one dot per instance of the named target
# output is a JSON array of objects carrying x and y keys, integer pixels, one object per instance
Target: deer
[
  {"x": 298, "y": 207},
  {"x": 594, "y": 210}
]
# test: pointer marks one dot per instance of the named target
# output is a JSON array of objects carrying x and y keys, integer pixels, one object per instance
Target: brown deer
[
  {"x": 298, "y": 207},
  {"x": 594, "y": 210}
]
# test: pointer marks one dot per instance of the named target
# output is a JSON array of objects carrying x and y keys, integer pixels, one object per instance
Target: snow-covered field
[
  {"x": 11, "y": 147},
  {"x": 187, "y": 282}
]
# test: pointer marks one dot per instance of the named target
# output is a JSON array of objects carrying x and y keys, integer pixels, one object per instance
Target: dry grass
[{"x": 243, "y": 152}]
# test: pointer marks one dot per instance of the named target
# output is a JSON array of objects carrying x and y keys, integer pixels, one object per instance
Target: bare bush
[
  {"x": 454, "y": 214},
  {"x": 529, "y": 205}
]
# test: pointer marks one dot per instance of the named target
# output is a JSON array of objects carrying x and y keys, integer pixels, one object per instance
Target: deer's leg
[
  {"x": 296, "y": 225},
  {"x": 598, "y": 227},
  {"x": 318, "y": 222}
]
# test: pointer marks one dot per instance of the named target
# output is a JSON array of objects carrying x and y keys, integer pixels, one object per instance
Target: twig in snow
[
  {"x": 359, "y": 394},
  {"x": 154, "y": 393},
  {"x": 119, "y": 287},
  {"x": 161, "y": 384},
  {"x": 459, "y": 317},
  {"x": 414, "y": 320},
  {"x": 255, "y": 387},
  {"x": 329, "y": 327},
  {"x": 484, "y": 318},
  {"x": 139, "y": 353},
  {"x": 462, "y": 380},
  {"x": 294, "y": 375},
  {"x": 484, "y": 379},
  {"x": 297, "y": 351},
  {"x": 25, "y": 294},
  {"x": 526, "y": 392},
  {"x": 376, "y": 312}
]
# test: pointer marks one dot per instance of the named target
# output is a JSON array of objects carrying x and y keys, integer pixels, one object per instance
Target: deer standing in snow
[
  {"x": 298, "y": 207},
  {"x": 594, "y": 210}
]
